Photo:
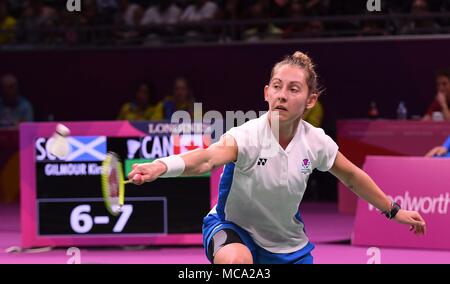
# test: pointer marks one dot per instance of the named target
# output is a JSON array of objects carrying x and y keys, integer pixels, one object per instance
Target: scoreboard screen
[{"x": 61, "y": 199}]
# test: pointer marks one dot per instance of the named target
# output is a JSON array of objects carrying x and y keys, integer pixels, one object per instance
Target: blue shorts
[{"x": 212, "y": 224}]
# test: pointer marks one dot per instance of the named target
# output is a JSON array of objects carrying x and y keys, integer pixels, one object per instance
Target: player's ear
[
  {"x": 266, "y": 93},
  {"x": 311, "y": 101}
]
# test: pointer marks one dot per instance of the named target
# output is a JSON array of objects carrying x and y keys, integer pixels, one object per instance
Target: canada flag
[{"x": 188, "y": 142}]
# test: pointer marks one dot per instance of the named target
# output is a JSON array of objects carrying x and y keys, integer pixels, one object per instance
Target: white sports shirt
[{"x": 261, "y": 192}]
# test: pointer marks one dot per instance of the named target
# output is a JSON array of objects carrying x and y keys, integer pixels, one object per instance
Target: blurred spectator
[
  {"x": 279, "y": 9},
  {"x": 130, "y": 15},
  {"x": 71, "y": 22},
  {"x": 439, "y": 24},
  {"x": 372, "y": 28},
  {"x": 133, "y": 21},
  {"x": 440, "y": 151},
  {"x": 7, "y": 24},
  {"x": 165, "y": 12},
  {"x": 201, "y": 10},
  {"x": 348, "y": 7},
  {"x": 315, "y": 115},
  {"x": 88, "y": 19},
  {"x": 421, "y": 24},
  {"x": 317, "y": 7},
  {"x": 230, "y": 10},
  {"x": 314, "y": 28},
  {"x": 181, "y": 99},
  {"x": 140, "y": 108},
  {"x": 258, "y": 10},
  {"x": 107, "y": 6},
  {"x": 296, "y": 13},
  {"x": 441, "y": 103},
  {"x": 35, "y": 21},
  {"x": 89, "y": 13},
  {"x": 14, "y": 108},
  {"x": 108, "y": 11},
  {"x": 91, "y": 23}
]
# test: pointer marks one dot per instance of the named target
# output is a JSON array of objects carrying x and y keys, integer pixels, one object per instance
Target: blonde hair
[{"x": 301, "y": 60}]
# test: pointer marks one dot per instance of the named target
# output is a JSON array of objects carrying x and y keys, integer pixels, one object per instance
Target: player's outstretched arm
[
  {"x": 361, "y": 184},
  {"x": 195, "y": 162}
]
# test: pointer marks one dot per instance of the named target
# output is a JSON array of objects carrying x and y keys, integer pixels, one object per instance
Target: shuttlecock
[{"x": 58, "y": 144}]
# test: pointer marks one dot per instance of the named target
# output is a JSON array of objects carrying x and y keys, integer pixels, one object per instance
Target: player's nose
[{"x": 281, "y": 96}]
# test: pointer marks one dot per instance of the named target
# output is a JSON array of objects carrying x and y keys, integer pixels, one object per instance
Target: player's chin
[
  {"x": 285, "y": 117},
  {"x": 282, "y": 115}
]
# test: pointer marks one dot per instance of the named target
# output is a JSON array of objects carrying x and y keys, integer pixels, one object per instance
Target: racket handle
[{"x": 127, "y": 182}]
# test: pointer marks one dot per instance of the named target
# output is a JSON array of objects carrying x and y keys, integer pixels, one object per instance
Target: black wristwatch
[{"x": 390, "y": 214}]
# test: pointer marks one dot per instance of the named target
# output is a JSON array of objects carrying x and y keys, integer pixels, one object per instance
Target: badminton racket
[{"x": 113, "y": 183}]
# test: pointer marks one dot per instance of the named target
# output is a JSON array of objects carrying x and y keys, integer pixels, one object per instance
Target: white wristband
[{"x": 175, "y": 166}]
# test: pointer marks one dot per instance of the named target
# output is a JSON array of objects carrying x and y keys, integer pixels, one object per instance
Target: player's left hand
[
  {"x": 412, "y": 218},
  {"x": 437, "y": 151}
]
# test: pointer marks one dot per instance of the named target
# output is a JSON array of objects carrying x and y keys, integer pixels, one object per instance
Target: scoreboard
[{"x": 61, "y": 200}]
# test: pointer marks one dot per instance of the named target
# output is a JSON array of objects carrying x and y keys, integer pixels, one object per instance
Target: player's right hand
[{"x": 146, "y": 172}]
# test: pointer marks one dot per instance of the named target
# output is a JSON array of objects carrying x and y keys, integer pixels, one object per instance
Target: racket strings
[{"x": 112, "y": 184}]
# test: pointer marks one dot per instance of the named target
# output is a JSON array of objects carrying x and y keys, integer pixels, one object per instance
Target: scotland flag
[{"x": 87, "y": 148}]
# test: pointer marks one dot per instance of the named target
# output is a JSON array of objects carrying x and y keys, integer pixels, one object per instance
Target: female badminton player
[{"x": 256, "y": 218}]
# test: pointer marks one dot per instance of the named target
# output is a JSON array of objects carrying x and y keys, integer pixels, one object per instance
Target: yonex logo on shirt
[{"x": 262, "y": 162}]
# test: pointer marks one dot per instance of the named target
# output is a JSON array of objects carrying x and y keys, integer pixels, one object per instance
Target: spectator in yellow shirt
[
  {"x": 181, "y": 99},
  {"x": 7, "y": 24},
  {"x": 140, "y": 108}
]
